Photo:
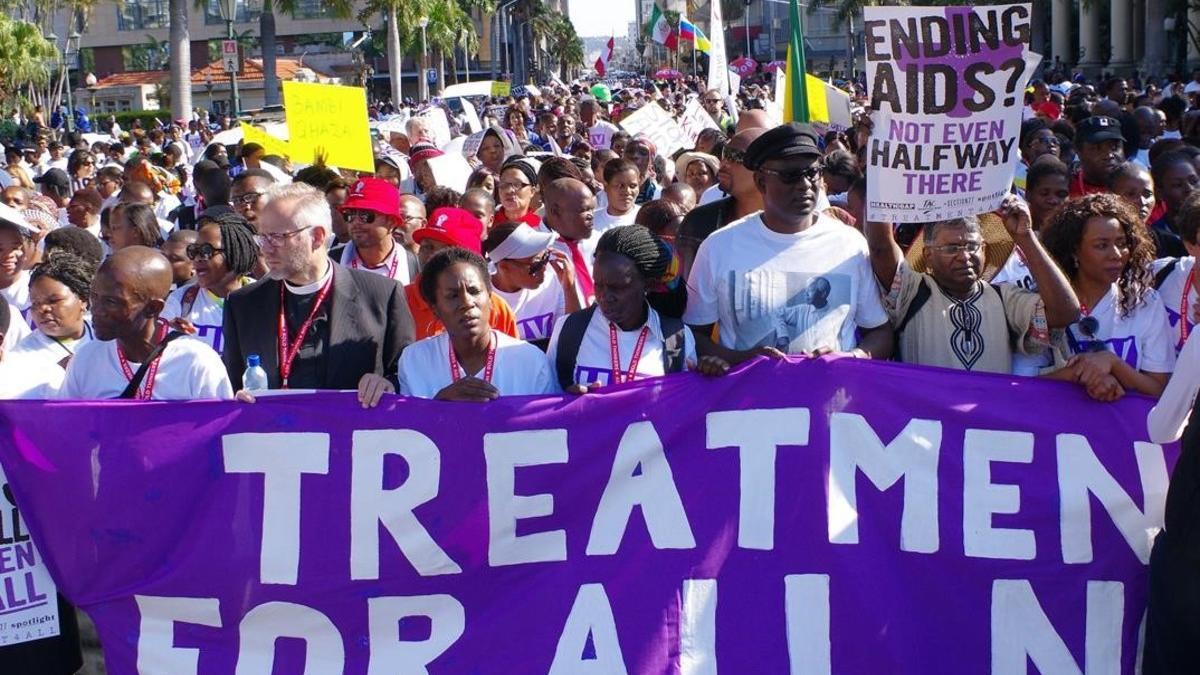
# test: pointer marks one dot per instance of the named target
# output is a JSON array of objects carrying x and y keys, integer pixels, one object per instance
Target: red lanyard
[
  {"x": 488, "y": 368},
  {"x": 146, "y": 390},
  {"x": 288, "y": 351},
  {"x": 1184, "y": 329},
  {"x": 391, "y": 268},
  {"x": 616, "y": 354}
]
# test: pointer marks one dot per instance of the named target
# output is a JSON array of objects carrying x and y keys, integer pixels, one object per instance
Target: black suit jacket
[{"x": 369, "y": 325}]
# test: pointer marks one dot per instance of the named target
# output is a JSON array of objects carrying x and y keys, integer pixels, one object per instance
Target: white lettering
[
  {"x": 282, "y": 459},
  {"x": 982, "y": 498},
  {"x": 757, "y": 434},
  {"x": 653, "y": 490},
  {"x": 266, "y": 623},
  {"x": 912, "y": 455},
  {"x": 156, "y": 650},
  {"x": 1022, "y": 632},
  {"x": 591, "y": 615},
  {"x": 505, "y": 452},
  {"x": 372, "y": 505},
  {"x": 806, "y": 608},
  {"x": 698, "y": 628},
  {"x": 390, "y": 655}
]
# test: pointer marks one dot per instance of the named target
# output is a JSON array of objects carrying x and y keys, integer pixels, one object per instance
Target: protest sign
[
  {"x": 947, "y": 85},
  {"x": 328, "y": 119},
  {"x": 29, "y": 602},
  {"x": 694, "y": 120},
  {"x": 657, "y": 124},
  {"x": 451, "y": 169},
  {"x": 270, "y": 144},
  {"x": 857, "y": 524},
  {"x": 439, "y": 125},
  {"x": 502, "y": 89}
]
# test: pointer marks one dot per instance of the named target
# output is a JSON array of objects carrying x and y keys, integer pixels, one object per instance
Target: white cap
[
  {"x": 14, "y": 217},
  {"x": 524, "y": 242}
]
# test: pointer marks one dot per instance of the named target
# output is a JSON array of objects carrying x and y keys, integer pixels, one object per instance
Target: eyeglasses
[
  {"x": 955, "y": 249},
  {"x": 539, "y": 263},
  {"x": 1049, "y": 140},
  {"x": 203, "y": 251},
  {"x": 712, "y": 100},
  {"x": 811, "y": 175},
  {"x": 277, "y": 238},
  {"x": 507, "y": 186},
  {"x": 367, "y": 217},
  {"x": 733, "y": 155},
  {"x": 246, "y": 199}
]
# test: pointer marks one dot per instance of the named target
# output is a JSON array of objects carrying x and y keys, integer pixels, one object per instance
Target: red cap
[
  {"x": 373, "y": 194},
  {"x": 454, "y": 227}
]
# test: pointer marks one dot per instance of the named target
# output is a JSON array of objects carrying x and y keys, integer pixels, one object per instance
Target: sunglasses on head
[
  {"x": 367, "y": 217},
  {"x": 202, "y": 251},
  {"x": 1089, "y": 326}
]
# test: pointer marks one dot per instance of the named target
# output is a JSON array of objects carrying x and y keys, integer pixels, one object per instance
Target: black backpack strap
[
  {"x": 136, "y": 383},
  {"x": 918, "y": 301},
  {"x": 1160, "y": 277},
  {"x": 188, "y": 301},
  {"x": 673, "y": 343},
  {"x": 569, "y": 340}
]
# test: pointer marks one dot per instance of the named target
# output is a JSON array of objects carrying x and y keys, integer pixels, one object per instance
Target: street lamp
[
  {"x": 423, "y": 22},
  {"x": 228, "y": 9},
  {"x": 747, "y": 22},
  {"x": 208, "y": 85},
  {"x": 90, "y": 83}
]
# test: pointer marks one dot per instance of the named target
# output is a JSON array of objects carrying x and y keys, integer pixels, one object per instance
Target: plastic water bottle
[{"x": 255, "y": 378}]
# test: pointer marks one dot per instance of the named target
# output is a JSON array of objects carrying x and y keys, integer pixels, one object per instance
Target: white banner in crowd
[
  {"x": 29, "y": 601},
  {"x": 947, "y": 84},
  {"x": 657, "y": 124}
]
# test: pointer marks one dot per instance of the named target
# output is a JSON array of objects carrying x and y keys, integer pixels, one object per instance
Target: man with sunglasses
[
  {"x": 714, "y": 105},
  {"x": 736, "y": 198},
  {"x": 754, "y": 277},
  {"x": 372, "y": 215},
  {"x": 314, "y": 323}
]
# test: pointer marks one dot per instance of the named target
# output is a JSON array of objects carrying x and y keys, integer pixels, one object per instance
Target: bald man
[
  {"x": 134, "y": 355},
  {"x": 570, "y": 207},
  {"x": 737, "y": 198},
  {"x": 754, "y": 119}
]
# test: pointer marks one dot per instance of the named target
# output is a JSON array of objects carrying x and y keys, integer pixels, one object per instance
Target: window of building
[
  {"x": 246, "y": 11},
  {"x": 311, "y": 9},
  {"x": 142, "y": 14}
]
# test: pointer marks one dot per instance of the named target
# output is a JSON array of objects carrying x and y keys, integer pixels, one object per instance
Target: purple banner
[{"x": 821, "y": 516}]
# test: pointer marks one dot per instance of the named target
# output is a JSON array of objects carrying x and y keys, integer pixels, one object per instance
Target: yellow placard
[
  {"x": 328, "y": 120},
  {"x": 501, "y": 88},
  {"x": 270, "y": 144}
]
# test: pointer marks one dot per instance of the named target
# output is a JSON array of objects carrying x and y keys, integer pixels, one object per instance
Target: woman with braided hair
[
  {"x": 58, "y": 291},
  {"x": 622, "y": 337},
  {"x": 224, "y": 255}
]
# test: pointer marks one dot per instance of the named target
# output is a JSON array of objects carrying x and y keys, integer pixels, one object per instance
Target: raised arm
[
  {"x": 1062, "y": 307},
  {"x": 885, "y": 252}
]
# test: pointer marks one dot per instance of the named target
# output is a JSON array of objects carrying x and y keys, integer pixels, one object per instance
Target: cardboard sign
[
  {"x": 329, "y": 120},
  {"x": 656, "y": 123}
]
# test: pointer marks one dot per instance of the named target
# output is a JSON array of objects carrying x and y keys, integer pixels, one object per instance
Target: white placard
[{"x": 29, "y": 605}]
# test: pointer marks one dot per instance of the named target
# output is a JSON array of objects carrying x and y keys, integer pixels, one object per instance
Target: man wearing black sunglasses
[
  {"x": 757, "y": 277},
  {"x": 738, "y": 198},
  {"x": 372, "y": 214}
]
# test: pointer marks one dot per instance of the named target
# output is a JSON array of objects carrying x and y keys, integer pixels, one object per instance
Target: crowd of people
[{"x": 163, "y": 266}]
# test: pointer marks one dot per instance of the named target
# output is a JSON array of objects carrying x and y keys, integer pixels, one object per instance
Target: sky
[{"x": 602, "y": 17}]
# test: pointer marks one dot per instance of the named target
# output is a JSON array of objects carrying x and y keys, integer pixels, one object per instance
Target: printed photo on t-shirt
[{"x": 792, "y": 311}]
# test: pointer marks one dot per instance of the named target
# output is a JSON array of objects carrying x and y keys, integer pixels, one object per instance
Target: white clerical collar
[{"x": 314, "y": 286}]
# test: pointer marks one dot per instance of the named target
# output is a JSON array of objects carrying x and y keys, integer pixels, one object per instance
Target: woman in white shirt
[
  {"x": 622, "y": 338},
  {"x": 58, "y": 289},
  {"x": 622, "y": 180},
  {"x": 223, "y": 256},
  {"x": 469, "y": 361},
  {"x": 520, "y": 256},
  {"x": 1121, "y": 341}
]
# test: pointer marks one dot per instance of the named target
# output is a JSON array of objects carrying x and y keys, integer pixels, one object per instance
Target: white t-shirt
[
  {"x": 207, "y": 315},
  {"x": 1171, "y": 293},
  {"x": 189, "y": 370},
  {"x": 23, "y": 377},
  {"x": 520, "y": 368},
  {"x": 1142, "y": 339},
  {"x": 49, "y": 352},
  {"x": 1169, "y": 417},
  {"x": 18, "y": 295},
  {"x": 1016, "y": 273},
  {"x": 593, "y": 363},
  {"x": 604, "y": 220},
  {"x": 797, "y": 292},
  {"x": 17, "y": 329},
  {"x": 601, "y": 133},
  {"x": 395, "y": 266},
  {"x": 587, "y": 249},
  {"x": 537, "y": 309},
  {"x": 1191, "y": 87},
  {"x": 712, "y": 194}
]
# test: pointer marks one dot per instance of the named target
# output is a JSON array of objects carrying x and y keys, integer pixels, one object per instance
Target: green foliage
[
  {"x": 24, "y": 57},
  {"x": 125, "y": 119}
]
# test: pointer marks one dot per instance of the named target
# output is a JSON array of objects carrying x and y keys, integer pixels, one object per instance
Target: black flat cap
[{"x": 793, "y": 139}]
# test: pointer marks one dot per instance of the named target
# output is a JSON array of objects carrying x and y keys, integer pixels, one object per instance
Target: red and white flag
[{"x": 605, "y": 57}]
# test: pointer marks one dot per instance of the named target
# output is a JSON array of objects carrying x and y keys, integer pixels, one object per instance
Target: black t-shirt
[{"x": 309, "y": 368}]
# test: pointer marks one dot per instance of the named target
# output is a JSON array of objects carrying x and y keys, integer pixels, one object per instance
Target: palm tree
[
  {"x": 340, "y": 9},
  {"x": 402, "y": 35},
  {"x": 180, "y": 59},
  {"x": 564, "y": 45},
  {"x": 23, "y": 57}
]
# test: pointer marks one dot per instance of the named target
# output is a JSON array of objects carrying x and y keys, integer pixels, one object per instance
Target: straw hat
[
  {"x": 687, "y": 158},
  {"x": 997, "y": 246}
]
